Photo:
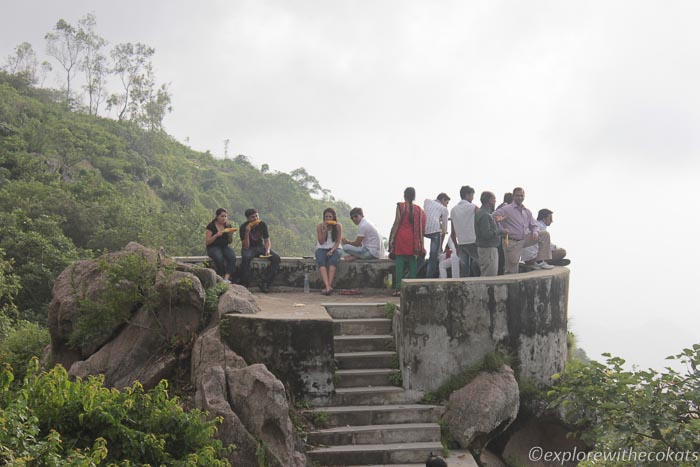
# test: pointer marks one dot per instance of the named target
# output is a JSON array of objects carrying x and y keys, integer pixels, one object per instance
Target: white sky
[{"x": 592, "y": 106}]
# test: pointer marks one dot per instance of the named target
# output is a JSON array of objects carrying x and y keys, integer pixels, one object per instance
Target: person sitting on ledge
[
  {"x": 328, "y": 235},
  {"x": 521, "y": 231},
  {"x": 545, "y": 217},
  {"x": 217, "y": 238},
  {"x": 256, "y": 243},
  {"x": 368, "y": 244}
]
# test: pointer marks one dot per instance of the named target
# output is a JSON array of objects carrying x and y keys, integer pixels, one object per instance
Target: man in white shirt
[
  {"x": 463, "y": 233},
  {"x": 368, "y": 244},
  {"x": 545, "y": 217},
  {"x": 436, "y": 215}
]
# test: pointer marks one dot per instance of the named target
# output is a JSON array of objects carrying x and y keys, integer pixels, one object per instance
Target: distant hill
[{"x": 73, "y": 185}]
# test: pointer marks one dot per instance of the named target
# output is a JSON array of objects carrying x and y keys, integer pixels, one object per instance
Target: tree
[
  {"x": 94, "y": 63},
  {"x": 616, "y": 409},
  {"x": 23, "y": 62},
  {"x": 66, "y": 45}
]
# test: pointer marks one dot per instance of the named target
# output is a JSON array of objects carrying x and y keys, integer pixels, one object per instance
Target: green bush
[
  {"x": 50, "y": 420},
  {"x": 20, "y": 343},
  {"x": 643, "y": 410}
]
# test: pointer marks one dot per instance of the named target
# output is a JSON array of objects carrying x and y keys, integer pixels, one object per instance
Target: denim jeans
[
  {"x": 323, "y": 260},
  {"x": 224, "y": 259},
  {"x": 359, "y": 251},
  {"x": 468, "y": 260},
  {"x": 253, "y": 252},
  {"x": 435, "y": 240}
]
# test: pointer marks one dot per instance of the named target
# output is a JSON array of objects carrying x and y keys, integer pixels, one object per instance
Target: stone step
[
  {"x": 355, "y": 310},
  {"x": 375, "y": 395},
  {"x": 356, "y": 326},
  {"x": 375, "y": 453},
  {"x": 366, "y": 377},
  {"x": 375, "y": 414},
  {"x": 363, "y": 343},
  {"x": 357, "y": 360},
  {"x": 376, "y": 434}
]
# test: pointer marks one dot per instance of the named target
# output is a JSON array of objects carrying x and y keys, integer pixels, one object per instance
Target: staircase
[{"x": 371, "y": 419}]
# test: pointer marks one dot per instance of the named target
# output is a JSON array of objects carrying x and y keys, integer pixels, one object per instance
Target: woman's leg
[
  {"x": 399, "y": 270},
  {"x": 323, "y": 270},
  {"x": 412, "y": 267},
  {"x": 230, "y": 260},
  {"x": 333, "y": 264},
  {"x": 217, "y": 256}
]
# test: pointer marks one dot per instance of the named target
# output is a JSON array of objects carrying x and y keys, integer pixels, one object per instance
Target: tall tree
[
  {"x": 132, "y": 63},
  {"x": 65, "y": 44},
  {"x": 23, "y": 62},
  {"x": 94, "y": 63}
]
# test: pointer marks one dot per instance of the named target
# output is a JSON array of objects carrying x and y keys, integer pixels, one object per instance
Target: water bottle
[{"x": 306, "y": 283}]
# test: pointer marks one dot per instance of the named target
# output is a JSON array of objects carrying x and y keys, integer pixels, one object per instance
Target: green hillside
[{"x": 74, "y": 185}]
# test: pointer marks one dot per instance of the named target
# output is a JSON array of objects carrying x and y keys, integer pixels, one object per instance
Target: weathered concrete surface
[
  {"x": 294, "y": 342},
  {"x": 365, "y": 274},
  {"x": 448, "y": 325}
]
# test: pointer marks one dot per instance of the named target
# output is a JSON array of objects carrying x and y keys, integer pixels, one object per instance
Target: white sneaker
[{"x": 542, "y": 265}]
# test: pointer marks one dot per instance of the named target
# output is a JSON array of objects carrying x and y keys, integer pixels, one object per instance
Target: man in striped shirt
[
  {"x": 436, "y": 215},
  {"x": 521, "y": 231}
]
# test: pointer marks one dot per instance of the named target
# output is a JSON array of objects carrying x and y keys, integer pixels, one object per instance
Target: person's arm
[
  {"x": 453, "y": 235},
  {"x": 321, "y": 232},
  {"x": 356, "y": 242},
  {"x": 210, "y": 237},
  {"x": 338, "y": 236},
  {"x": 533, "y": 227},
  {"x": 245, "y": 236},
  {"x": 268, "y": 246}
]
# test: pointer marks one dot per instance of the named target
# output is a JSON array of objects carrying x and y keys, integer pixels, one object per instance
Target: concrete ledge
[
  {"x": 349, "y": 274},
  {"x": 445, "y": 326}
]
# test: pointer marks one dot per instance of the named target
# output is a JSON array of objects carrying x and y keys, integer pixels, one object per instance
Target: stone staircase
[{"x": 371, "y": 419}]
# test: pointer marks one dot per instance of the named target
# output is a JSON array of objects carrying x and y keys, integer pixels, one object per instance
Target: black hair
[
  {"x": 465, "y": 191},
  {"x": 544, "y": 213},
  {"x": 409, "y": 194},
  {"x": 508, "y": 198},
  {"x": 486, "y": 196},
  {"x": 356, "y": 211},
  {"x": 250, "y": 212},
  {"x": 218, "y": 212}
]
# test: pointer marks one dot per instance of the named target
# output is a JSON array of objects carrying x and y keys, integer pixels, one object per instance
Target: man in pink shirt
[{"x": 520, "y": 231}]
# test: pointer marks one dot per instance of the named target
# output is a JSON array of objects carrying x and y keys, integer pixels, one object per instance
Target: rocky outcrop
[
  {"x": 237, "y": 299},
  {"x": 152, "y": 326},
  {"x": 483, "y": 408},
  {"x": 250, "y": 400}
]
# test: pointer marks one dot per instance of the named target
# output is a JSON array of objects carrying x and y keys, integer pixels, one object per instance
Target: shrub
[
  {"x": 50, "y": 420},
  {"x": 20, "y": 343}
]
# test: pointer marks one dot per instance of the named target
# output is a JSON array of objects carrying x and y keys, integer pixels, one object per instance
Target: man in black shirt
[{"x": 256, "y": 243}]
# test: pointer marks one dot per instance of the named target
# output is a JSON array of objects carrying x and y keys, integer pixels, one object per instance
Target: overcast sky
[{"x": 592, "y": 106}]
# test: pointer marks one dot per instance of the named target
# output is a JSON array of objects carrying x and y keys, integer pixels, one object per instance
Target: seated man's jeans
[
  {"x": 435, "y": 239},
  {"x": 359, "y": 251},
  {"x": 247, "y": 256}
]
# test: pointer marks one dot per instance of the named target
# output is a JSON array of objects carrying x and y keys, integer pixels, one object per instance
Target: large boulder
[
  {"x": 260, "y": 401},
  {"x": 218, "y": 374},
  {"x": 237, "y": 299},
  {"x": 146, "y": 349},
  {"x": 80, "y": 286},
  {"x": 483, "y": 408}
]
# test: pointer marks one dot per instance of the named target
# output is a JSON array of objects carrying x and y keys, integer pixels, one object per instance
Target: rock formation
[{"x": 154, "y": 325}]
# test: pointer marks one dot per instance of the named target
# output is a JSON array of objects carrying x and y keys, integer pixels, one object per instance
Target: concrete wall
[
  {"x": 297, "y": 351},
  {"x": 446, "y": 326},
  {"x": 365, "y": 274}
]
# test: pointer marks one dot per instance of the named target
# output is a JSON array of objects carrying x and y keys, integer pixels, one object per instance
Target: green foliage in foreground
[
  {"x": 616, "y": 409},
  {"x": 50, "y": 420}
]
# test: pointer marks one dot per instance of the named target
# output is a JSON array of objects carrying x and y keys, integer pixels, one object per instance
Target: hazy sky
[{"x": 592, "y": 106}]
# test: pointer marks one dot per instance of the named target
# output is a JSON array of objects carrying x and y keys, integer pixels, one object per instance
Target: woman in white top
[{"x": 328, "y": 235}]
